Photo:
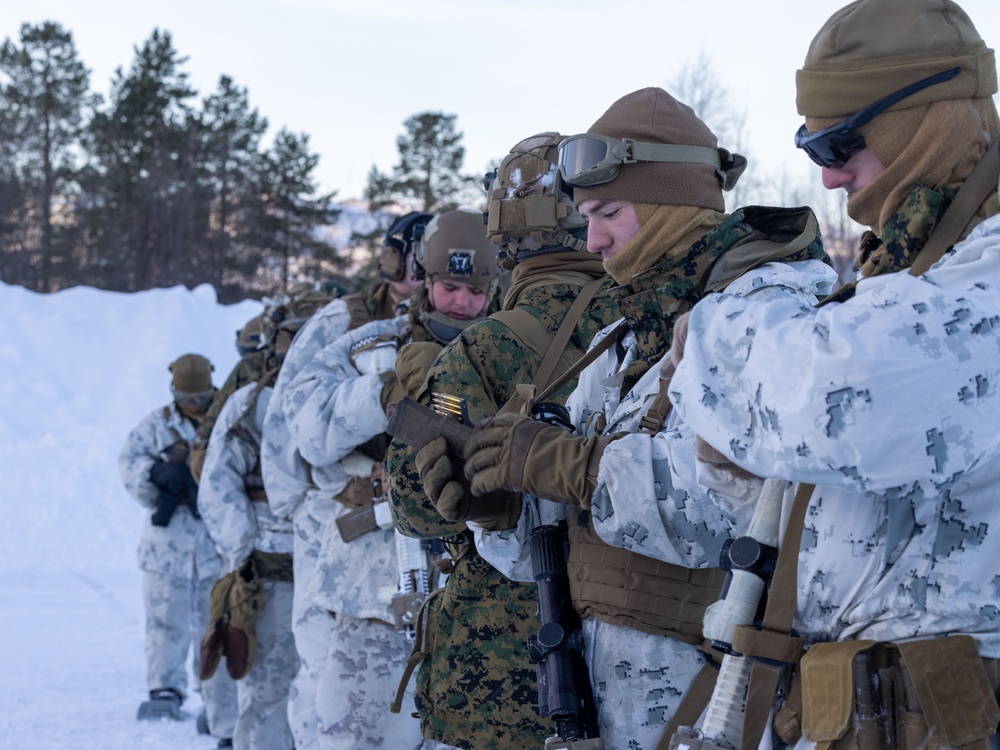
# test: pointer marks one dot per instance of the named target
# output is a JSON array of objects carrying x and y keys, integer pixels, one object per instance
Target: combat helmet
[
  {"x": 530, "y": 209},
  {"x": 250, "y": 337},
  {"x": 402, "y": 236},
  {"x": 454, "y": 247}
]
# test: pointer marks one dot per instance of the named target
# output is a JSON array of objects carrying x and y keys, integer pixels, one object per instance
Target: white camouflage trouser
[
  {"x": 263, "y": 692},
  {"x": 366, "y": 660},
  {"x": 176, "y": 609},
  {"x": 312, "y": 628},
  {"x": 638, "y": 679}
]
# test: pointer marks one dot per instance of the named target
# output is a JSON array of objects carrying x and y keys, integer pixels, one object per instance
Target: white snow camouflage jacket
[
  {"x": 183, "y": 548},
  {"x": 888, "y": 402},
  {"x": 237, "y": 524},
  {"x": 332, "y": 408}
]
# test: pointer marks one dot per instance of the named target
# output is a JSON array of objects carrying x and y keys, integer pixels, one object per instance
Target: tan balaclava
[
  {"x": 934, "y": 137},
  {"x": 674, "y": 202}
]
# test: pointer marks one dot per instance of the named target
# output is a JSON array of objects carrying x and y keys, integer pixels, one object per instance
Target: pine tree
[
  {"x": 291, "y": 216},
  {"x": 428, "y": 176},
  {"x": 229, "y": 162},
  {"x": 152, "y": 211},
  {"x": 44, "y": 103}
]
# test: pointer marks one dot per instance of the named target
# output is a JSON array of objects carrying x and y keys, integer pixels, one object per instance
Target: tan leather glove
[
  {"x": 446, "y": 486},
  {"x": 392, "y": 389},
  {"x": 515, "y": 452}
]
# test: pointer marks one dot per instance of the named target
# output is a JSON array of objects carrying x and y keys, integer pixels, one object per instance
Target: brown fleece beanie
[
  {"x": 192, "y": 374},
  {"x": 872, "y": 48},
  {"x": 652, "y": 115}
]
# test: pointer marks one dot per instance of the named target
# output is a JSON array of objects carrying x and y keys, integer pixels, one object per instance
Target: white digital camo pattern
[
  {"x": 331, "y": 408},
  {"x": 889, "y": 403},
  {"x": 303, "y": 494},
  {"x": 239, "y": 526},
  {"x": 236, "y": 524},
  {"x": 639, "y": 679},
  {"x": 364, "y": 666},
  {"x": 182, "y": 548},
  {"x": 263, "y": 692},
  {"x": 180, "y": 565}
]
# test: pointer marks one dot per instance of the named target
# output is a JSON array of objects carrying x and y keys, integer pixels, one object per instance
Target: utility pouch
[
  {"x": 841, "y": 708},
  {"x": 357, "y": 522},
  {"x": 358, "y": 493},
  {"x": 954, "y": 693}
]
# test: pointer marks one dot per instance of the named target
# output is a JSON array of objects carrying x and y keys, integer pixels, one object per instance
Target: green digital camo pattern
[
  {"x": 477, "y": 688},
  {"x": 654, "y": 299}
]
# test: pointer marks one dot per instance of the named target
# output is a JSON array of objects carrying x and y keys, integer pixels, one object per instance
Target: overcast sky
[{"x": 350, "y": 73}]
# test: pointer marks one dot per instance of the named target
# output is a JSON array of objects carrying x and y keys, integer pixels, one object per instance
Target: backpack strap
[
  {"x": 552, "y": 350},
  {"x": 980, "y": 183},
  {"x": 358, "y": 311},
  {"x": 772, "y": 646}
]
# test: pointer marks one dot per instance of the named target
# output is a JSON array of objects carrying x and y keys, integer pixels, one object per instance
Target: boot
[{"x": 163, "y": 703}]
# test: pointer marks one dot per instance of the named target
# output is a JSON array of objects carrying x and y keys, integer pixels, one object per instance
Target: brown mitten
[
  {"x": 446, "y": 486},
  {"x": 515, "y": 452},
  {"x": 246, "y": 600},
  {"x": 212, "y": 642}
]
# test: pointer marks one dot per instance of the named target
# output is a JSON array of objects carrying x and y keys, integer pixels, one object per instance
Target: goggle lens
[
  {"x": 830, "y": 147},
  {"x": 194, "y": 400},
  {"x": 578, "y": 156}
]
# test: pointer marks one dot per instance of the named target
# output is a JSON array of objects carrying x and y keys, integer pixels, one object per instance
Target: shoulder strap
[
  {"x": 358, "y": 311},
  {"x": 773, "y": 638},
  {"x": 957, "y": 216},
  {"x": 556, "y": 349}
]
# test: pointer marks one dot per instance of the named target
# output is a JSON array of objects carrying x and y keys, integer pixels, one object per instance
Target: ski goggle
[
  {"x": 192, "y": 400},
  {"x": 834, "y": 146},
  {"x": 593, "y": 159}
]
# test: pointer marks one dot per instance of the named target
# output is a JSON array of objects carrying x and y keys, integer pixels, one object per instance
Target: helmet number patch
[{"x": 460, "y": 263}]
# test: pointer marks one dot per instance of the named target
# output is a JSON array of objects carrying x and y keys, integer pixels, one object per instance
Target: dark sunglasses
[{"x": 834, "y": 146}]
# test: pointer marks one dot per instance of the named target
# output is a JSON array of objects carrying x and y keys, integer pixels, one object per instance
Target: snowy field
[{"x": 78, "y": 370}]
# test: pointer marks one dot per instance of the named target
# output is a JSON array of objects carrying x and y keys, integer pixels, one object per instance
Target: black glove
[
  {"x": 166, "y": 504},
  {"x": 173, "y": 477}
]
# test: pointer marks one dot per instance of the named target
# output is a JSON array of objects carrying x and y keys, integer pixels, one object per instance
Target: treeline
[{"x": 153, "y": 187}]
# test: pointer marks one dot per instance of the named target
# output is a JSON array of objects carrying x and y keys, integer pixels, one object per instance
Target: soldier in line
[
  {"x": 475, "y": 685},
  {"x": 177, "y": 557},
  {"x": 256, "y": 548},
  {"x": 304, "y": 493},
  {"x": 886, "y": 414},
  {"x": 336, "y": 412},
  {"x": 259, "y": 341},
  {"x": 643, "y": 536}
]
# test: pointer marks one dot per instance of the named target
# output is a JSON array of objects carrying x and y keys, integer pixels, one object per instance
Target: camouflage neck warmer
[
  {"x": 906, "y": 232},
  {"x": 544, "y": 270},
  {"x": 653, "y": 300}
]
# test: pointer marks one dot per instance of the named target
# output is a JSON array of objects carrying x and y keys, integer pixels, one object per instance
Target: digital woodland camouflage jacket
[{"x": 477, "y": 688}]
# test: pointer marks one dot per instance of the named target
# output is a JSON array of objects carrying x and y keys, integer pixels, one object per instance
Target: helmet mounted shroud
[
  {"x": 400, "y": 239},
  {"x": 530, "y": 206}
]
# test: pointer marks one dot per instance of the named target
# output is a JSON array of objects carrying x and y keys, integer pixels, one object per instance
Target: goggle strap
[{"x": 672, "y": 152}]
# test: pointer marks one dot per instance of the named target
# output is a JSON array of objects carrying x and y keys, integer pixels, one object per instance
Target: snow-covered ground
[{"x": 78, "y": 370}]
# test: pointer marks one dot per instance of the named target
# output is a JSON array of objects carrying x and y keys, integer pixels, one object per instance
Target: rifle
[
  {"x": 750, "y": 561},
  {"x": 564, "y": 692}
]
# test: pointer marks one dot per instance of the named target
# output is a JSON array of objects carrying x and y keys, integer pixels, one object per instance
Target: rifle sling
[{"x": 963, "y": 207}]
